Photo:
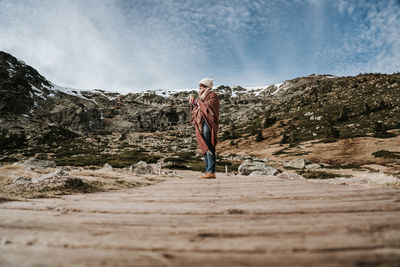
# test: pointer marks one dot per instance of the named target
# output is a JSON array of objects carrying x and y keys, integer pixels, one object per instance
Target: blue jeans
[{"x": 209, "y": 158}]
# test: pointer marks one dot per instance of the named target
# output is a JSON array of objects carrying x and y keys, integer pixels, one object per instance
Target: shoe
[{"x": 208, "y": 175}]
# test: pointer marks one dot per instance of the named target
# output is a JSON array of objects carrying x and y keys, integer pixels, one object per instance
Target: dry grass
[
  {"x": 352, "y": 151},
  {"x": 93, "y": 181}
]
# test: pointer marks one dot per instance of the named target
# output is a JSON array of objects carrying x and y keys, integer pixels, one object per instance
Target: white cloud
[
  {"x": 60, "y": 40},
  {"x": 136, "y": 45},
  {"x": 372, "y": 43},
  {"x": 93, "y": 44}
]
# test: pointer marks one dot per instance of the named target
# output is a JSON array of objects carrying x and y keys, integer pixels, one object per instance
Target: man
[{"x": 205, "y": 115}]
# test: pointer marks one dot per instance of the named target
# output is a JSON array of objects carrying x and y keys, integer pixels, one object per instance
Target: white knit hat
[{"x": 207, "y": 82}]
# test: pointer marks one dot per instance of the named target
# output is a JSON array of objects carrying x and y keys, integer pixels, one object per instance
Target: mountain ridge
[{"x": 38, "y": 116}]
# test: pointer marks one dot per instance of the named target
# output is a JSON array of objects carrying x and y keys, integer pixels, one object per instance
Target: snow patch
[
  {"x": 280, "y": 86},
  {"x": 69, "y": 91},
  {"x": 38, "y": 92}
]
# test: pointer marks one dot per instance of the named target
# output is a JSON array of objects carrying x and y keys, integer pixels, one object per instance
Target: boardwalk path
[{"x": 231, "y": 221}]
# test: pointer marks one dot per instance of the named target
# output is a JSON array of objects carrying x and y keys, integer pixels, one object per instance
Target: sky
[{"x": 130, "y": 46}]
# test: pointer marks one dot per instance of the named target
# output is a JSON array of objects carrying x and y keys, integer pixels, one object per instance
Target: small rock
[
  {"x": 107, "y": 167},
  {"x": 296, "y": 163},
  {"x": 40, "y": 163},
  {"x": 290, "y": 176},
  {"x": 142, "y": 168},
  {"x": 308, "y": 113},
  {"x": 313, "y": 166}
]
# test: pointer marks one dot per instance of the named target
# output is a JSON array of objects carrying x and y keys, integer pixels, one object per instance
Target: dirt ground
[
  {"x": 357, "y": 151},
  {"x": 230, "y": 221}
]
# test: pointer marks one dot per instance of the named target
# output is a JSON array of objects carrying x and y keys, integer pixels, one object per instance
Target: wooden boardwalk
[{"x": 230, "y": 221}]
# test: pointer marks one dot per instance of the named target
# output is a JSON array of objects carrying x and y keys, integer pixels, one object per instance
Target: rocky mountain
[
  {"x": 91, "y": 127},
  {"x": 322, "y": 106}
]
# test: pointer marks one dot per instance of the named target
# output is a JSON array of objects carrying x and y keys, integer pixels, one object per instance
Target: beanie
[{"x": 207, "y": 82}]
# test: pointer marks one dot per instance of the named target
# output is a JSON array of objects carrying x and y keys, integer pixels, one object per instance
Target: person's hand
[{"x": 191, "y": 99}]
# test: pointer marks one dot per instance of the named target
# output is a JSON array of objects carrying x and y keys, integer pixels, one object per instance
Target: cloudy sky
[{"x": 125, "y": 46}]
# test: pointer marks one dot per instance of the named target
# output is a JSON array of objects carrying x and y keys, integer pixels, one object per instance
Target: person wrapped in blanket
[{"x": 205, "y": 115}]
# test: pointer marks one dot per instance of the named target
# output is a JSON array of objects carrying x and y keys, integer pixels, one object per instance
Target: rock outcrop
[
  {"x": 20, "y": 86},
  {"x": 142, "y": 168}
]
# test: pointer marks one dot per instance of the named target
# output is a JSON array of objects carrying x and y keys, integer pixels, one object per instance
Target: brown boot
[{"x": 208, "y": 175}]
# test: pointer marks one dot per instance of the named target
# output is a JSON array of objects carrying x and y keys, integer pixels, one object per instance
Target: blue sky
[{"x": 137, "y": 45}]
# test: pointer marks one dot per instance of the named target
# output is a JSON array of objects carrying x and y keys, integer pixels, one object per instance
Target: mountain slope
[{"x": 87, "y": 126}]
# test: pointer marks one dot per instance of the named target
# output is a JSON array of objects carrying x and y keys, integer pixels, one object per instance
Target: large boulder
[
  {"x": 50, "y": 180},
  {"x": 296, "y": 163},
  {"x": 266, "y": 171},
  {"x": 142, "y": 168},
  {"x": 257, "y": 168},
  {"x": 248, "y": 167}
]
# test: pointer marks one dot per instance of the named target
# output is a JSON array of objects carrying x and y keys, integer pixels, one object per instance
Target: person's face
[{"x": 201, "y": 87}]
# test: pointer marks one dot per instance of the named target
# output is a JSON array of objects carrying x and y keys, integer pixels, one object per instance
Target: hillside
[{"x": 300, "y": 117}]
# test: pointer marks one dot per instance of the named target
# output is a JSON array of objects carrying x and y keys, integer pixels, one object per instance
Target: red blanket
[{"x": 206, "y": 110}]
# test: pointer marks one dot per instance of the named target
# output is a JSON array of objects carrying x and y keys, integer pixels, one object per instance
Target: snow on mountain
[{"x": 160, "y": 92}]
